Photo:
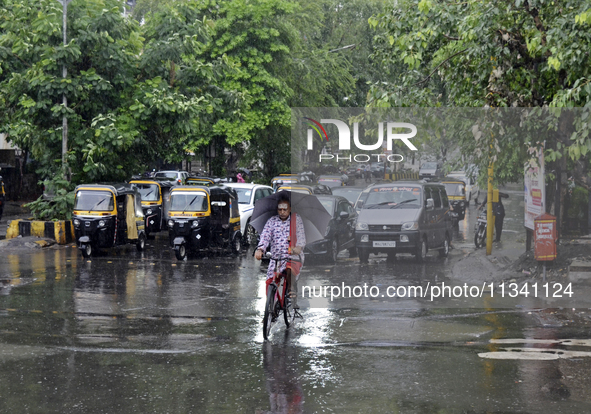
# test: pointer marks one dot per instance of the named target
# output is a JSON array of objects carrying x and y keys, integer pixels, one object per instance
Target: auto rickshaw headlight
[
  {"x": 148, "y": 211},
  {"x": 76, "y": 222},
  {"x": 101, "y": 223},
  {"x": 170, "y": 223},
  {"x": 195, "y": 224}
]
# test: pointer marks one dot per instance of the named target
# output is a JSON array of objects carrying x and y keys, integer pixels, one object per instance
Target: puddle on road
[{"x": 544, "y": 351}]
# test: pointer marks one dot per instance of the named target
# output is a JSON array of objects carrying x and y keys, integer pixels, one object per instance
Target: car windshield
[
  {"x": 189, "y": 201},
  {"x": 391, "y": 197},
  {"x": 349, "y": 194},
  {"x": 94, "y": 201},
  {"x": 243, "y": 195},
  {"x": 330, "y": 182},
  {"x": 328, "y": 204},
  {"x": 455, "y": 189},
  {"x": 149, "y": 192},
  {"x": 171, "y": 174},
  {"x": 430, "y": 165}
]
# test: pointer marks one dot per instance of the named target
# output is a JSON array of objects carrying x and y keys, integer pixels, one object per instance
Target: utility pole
[
  {"x": 65, "y": 3},
  {"x": 490, "y": 225}
]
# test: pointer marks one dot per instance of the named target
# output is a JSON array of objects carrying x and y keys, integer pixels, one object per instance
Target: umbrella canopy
[{"x": 312, "y": 212}]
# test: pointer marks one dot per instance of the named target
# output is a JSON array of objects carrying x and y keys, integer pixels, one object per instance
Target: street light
[{"x": 64, "y": 3}]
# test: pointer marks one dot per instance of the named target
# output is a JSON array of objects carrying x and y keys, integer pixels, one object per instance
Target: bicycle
[{"x": 277, "y": 299}]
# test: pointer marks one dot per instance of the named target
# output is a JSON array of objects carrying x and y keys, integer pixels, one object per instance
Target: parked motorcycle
[{"x": 480, "y": 230}]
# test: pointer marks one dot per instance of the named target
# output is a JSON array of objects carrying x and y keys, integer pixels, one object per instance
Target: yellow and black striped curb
[
  {"x": 60, "y": 231},
  {"x": 402, "y": 176}
]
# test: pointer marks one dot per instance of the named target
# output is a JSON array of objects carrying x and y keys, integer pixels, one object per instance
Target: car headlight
[
  {"x": 101, "y": 223},
  {"x": 361, "y": 226},
  {"x": 410, "y": 225},
  {"x": 76, "y": 222},
  {"x": 148, "y": 211},
  {"x": 170, "y": 223},
  {"x": 195, "y": 224}
]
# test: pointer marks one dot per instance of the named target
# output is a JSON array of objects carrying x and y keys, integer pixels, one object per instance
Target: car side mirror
[
  {"x": 343, "y": 215},
  {"x": 430, "y": 204}
]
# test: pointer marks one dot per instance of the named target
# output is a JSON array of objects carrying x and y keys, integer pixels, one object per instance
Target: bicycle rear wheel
[{"x": 269, "y": 312}]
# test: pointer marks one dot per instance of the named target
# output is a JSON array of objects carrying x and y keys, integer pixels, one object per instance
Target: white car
[
  {"x": 179, "y": 176},
  {"x": 248, "y": 194}
]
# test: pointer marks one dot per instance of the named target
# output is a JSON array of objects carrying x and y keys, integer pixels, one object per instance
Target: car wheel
[
  {"x": 333, "y": 251},
  {"x": 251, "y": 235},
  {"x": 445, "y": 250},
  {"x": 421, "y": 253}
]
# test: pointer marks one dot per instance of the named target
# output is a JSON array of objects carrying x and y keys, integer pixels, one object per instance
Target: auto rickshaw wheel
[
  {"x": 141, "y": 243},
  {"x": 86, "y": 250},
  {"x": 237, "y": 244},
  {"x": 180, "y": 251}
]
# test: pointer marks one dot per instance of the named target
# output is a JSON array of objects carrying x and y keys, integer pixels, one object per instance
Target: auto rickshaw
[
  {"x": 2, "y": 197},
  {"x": 107, "y": 216},
  {"x": 456, "y": 193},
  {"x": 204, "y": 219},
  {"x": 154, "y": 195},
  {"x": 204, "y": 181},
  {"x": 281, "y": 180}
]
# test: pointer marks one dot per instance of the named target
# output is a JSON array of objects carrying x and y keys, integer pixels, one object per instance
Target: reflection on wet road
[{"x": 130, "y": 332}]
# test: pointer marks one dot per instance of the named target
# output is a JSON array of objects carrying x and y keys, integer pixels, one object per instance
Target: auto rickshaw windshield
[
  {"x": 190, "y": 201},
  {"x": 94, "y": 201},
  {"x": 149, "y": 192}
]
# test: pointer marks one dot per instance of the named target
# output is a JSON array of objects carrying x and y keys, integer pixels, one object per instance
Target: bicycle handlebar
[{"x": 268, "y": 255}]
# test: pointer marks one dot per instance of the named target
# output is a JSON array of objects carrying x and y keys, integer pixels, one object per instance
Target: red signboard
[{"x": 545, "y": 237}]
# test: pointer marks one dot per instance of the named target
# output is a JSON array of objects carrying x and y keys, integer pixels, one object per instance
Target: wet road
[{"x": 131, "y": 332}]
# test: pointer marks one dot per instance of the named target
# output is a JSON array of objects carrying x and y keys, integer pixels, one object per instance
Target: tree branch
[{"x": 437, "y": 67}]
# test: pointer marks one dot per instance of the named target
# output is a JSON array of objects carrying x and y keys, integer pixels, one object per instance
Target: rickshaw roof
[
  {"x": 117, "y": 188},
  {"x": 213, "y": 190},
  {"x": 162, "y": 184}
]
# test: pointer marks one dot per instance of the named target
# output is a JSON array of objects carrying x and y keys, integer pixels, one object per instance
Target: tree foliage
[{"x": 521, "y": 53}]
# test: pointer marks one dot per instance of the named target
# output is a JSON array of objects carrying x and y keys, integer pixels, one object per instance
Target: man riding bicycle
[{"x": 285, "y": 233}]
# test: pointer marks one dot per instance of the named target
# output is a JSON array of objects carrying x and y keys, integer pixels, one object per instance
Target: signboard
[{"x": 534, "y": 187}]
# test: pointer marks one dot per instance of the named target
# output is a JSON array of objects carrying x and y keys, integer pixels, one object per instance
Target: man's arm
[
  {"x": 300, "y": 234},
  {"x": 264, "y": 241}
]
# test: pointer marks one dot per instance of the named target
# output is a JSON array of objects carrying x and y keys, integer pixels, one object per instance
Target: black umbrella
[{"x": 312, "y": 212}]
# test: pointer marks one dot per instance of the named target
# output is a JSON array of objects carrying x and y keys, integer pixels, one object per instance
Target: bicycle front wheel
[
  {"x": 268, "y": 318},
  {"x": 288, "y": 312}
]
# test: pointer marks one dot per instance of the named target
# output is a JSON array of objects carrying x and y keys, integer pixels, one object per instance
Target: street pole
[
  {"x": 489, "y": 211},
  {"x": 64, "y": 99}
]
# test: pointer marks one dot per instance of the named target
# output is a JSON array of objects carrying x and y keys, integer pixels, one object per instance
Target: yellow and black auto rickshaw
[
  {"x": 154, "y": 195},
  {"x": 204, "y": 181},
  {"x": 107, "y": 216},
  {"x": 284, "y": 179},
  {"x": 204, "y": 219},
  {"x": 456, "y": 193}
]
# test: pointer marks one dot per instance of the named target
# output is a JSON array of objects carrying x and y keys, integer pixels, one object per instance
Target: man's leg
[
  {"x": 499, "y": 227},
  {"x": 293, "y": 288}
]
